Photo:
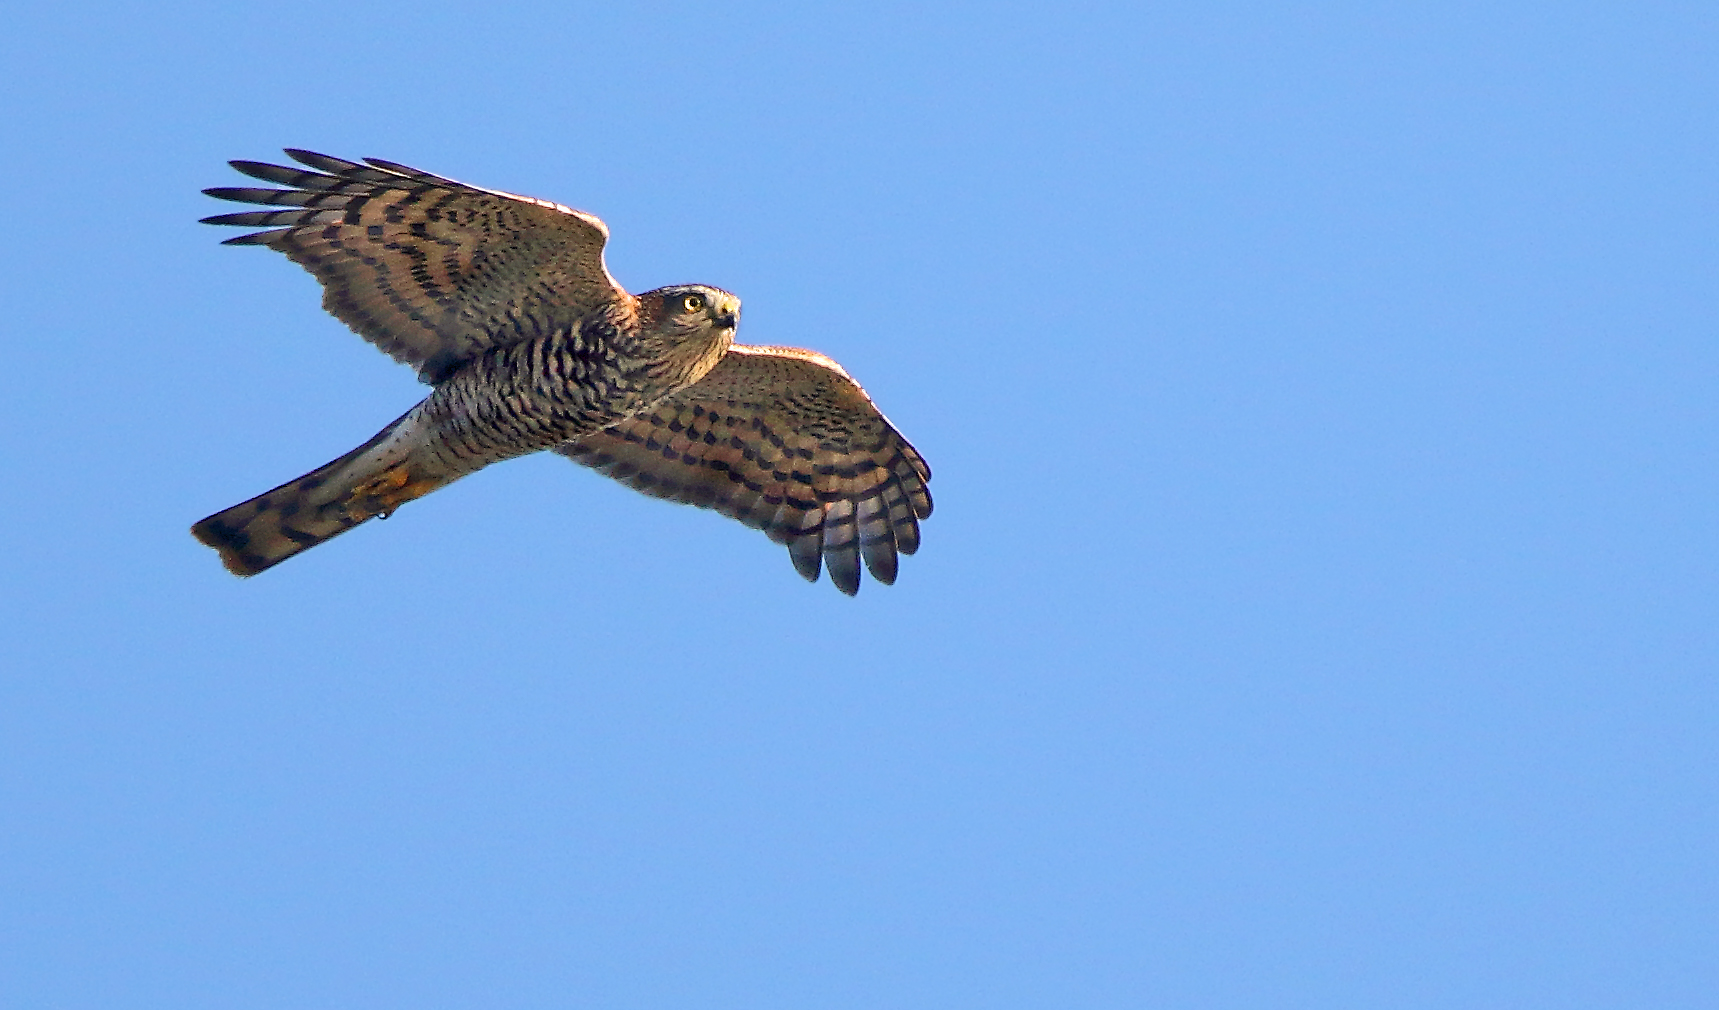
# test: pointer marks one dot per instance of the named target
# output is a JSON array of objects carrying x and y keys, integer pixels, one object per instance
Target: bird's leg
[{"x": 389, "y": 490}]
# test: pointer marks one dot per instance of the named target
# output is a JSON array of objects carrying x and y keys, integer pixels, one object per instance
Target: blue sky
[{"x": 1318, "y": 610}]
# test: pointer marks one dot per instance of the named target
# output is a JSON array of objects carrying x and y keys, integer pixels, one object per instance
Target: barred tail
[{"x": 371, "y": 480}]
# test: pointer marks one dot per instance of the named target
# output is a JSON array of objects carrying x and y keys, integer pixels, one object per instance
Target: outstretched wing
[
  {"x": 784, "y": 441},
  {"x": 430, "y": 270}
]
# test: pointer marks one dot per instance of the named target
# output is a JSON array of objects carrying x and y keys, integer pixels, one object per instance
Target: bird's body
[
  {"x": 505, "y": 307},
  {"x": 509, "y": 401}
]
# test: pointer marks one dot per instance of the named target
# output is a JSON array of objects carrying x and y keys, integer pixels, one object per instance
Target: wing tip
[
  {"x": 807, "y": 554},
  {"x": 254, "y": 238}
]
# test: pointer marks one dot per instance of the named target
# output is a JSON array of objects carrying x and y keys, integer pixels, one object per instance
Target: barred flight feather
[
  {"x": 432, "y": 271},
  {"x": 737, "y": 442}
]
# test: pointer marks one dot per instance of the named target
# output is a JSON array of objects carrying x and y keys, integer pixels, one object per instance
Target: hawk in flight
[{"x": 503, "y": 305}]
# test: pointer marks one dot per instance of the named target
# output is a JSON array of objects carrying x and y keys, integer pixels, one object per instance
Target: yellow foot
[{"x": 389, "y": 490}]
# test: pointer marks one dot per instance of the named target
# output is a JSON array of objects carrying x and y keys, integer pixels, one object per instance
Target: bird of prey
[{"x": 504, "y": 306}]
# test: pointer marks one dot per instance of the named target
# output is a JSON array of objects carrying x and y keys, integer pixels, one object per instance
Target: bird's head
[
  {"x": 691, "y": 309},
  {"x": 692, "y": 326}
]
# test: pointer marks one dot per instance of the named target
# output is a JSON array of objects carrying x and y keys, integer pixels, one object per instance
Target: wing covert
[
  {"x": 786, "y": 442},
  {"x": 432, "y": 271}
]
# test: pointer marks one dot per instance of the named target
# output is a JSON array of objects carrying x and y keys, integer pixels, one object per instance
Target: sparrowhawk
[{"x": 504, "y": 306}]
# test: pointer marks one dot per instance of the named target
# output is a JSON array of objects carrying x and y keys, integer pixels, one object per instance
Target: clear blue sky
[{"x": 1319, "y": 610}]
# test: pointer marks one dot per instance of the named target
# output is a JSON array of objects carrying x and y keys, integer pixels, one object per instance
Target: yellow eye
[{"x": 692, "y": 303}]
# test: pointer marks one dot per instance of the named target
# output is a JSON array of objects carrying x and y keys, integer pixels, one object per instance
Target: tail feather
[
  {"x": 371, "y": 480},
  {"x": 261, "y": 533}
]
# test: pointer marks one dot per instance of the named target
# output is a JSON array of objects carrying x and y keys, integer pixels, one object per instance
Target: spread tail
[{"x": 371, "y": 480}]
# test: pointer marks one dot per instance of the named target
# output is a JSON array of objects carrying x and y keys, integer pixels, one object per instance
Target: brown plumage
[{"x": 504, "y": 306}]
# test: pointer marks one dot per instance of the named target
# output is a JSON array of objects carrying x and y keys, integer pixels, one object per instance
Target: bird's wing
[
  {"x": 784, "y": 441},
  {"x": 430, "y": 270}
]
